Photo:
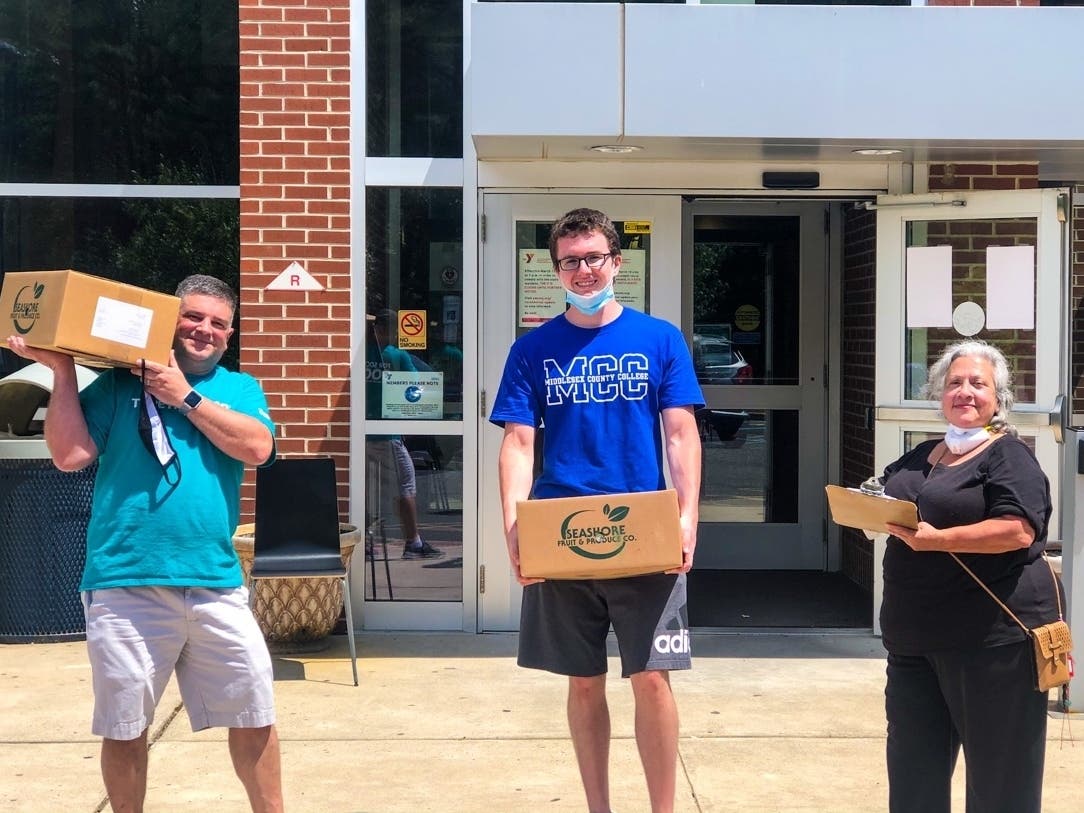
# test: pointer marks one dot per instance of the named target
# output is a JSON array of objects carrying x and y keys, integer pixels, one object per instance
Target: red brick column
[{"x": 295, "y": 207}]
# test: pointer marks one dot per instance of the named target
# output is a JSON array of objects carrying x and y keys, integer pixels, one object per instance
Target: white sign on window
[
  {"x": 413, "y": 395},
  {"x": 929, "y": 286},
  {"x": 1010, "y": 287}
]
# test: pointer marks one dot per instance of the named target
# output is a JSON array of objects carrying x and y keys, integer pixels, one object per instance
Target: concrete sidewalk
[{"x": 447, "y": 722}]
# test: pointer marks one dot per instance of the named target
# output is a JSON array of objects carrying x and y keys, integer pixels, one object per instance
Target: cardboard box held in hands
[
  {"x": 599, "y": 537},
  {"x": 98, "y": 321}
]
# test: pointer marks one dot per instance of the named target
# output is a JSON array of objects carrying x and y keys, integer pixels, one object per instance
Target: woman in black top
[{"x": 960, "y": 671}]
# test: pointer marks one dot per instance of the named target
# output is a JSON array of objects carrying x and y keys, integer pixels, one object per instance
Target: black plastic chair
[{"x": 297, "y": 528}]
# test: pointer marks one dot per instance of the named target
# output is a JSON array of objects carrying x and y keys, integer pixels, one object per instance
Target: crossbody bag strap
[
  {"x": 1057, "y": 592},
  {"x": 982, "y": 584}
]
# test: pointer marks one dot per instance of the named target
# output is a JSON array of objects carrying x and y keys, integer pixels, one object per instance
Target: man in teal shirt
[{"x": 162, "y": 587}]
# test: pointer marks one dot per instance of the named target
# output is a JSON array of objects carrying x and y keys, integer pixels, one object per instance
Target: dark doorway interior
[{"x": 777, "y": 598}]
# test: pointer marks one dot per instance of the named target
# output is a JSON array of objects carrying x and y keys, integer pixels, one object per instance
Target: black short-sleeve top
[{"x": 930, "y": 604}]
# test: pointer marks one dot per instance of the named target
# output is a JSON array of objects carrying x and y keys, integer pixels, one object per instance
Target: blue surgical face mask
[{"x": 590, "y": 304}]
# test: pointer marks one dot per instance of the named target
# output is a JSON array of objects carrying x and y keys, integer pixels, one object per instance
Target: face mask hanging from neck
[
  {"x": 590, "y": 304},
  {"x": 153, "y": 433},
  {"x": 962, "y": 441}
]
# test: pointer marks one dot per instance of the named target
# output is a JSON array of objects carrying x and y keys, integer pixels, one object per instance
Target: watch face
[{"x": 192, "y": 400}]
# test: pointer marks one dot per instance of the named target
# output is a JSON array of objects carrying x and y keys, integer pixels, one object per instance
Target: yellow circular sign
[{"x": 747, "y": 317}]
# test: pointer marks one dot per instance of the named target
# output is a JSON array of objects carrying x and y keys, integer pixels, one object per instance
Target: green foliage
[
  {"x": 710, "y": 286},
  {"x": 172, "y": 238}
]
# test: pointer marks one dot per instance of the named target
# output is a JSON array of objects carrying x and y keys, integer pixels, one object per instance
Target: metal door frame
[{"x": 802, "y": 545}]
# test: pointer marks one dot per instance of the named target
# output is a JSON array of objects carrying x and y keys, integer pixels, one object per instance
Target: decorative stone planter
[{"x": 295, "y": 612}]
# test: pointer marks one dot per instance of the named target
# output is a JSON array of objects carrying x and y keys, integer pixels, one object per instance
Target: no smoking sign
[{"x": 412, "y": 335}]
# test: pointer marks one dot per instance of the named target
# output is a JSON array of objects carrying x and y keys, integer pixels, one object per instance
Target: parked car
[
  {"x": 717, "y": 361},
  {"x": 724, "y": 422}
]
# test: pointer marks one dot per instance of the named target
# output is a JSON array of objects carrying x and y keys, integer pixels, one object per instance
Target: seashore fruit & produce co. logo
[
  {"x": 25, "y": 310},
  {"x": 591, "y": 538}
]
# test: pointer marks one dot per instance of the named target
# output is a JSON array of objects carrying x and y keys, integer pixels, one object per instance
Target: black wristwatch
[{"x": 191, "y": 401}]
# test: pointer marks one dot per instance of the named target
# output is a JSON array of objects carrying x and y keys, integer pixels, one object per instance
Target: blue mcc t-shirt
[{"x": 599, "y": 393}]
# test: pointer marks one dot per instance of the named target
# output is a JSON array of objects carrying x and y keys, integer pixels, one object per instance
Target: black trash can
[{"x": 43, "y": 519}]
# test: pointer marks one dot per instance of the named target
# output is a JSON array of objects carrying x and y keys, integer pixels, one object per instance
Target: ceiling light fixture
[
  {"x": 616, "y": 149},
  {"x": 877, "y": 151}
]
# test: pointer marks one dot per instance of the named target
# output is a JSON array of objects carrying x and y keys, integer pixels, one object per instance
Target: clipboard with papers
[{"x": 870, "y": 512}]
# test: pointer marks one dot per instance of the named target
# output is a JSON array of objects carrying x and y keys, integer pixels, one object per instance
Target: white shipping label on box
[{"x": 121, "y": 322}]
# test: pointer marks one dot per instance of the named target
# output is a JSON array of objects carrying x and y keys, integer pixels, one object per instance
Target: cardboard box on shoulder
[
  {"x": 98, "y": 321},
  {"x": 607, "y": 536}
]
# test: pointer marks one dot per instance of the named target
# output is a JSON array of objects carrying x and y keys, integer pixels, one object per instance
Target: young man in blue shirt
[{"x": 599, "y": 378}]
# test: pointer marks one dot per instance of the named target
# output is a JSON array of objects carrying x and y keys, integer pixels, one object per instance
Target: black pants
[{"x": 983, "y": 700}]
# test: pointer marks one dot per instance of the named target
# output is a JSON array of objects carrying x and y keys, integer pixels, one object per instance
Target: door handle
[{"x": 1039, "y": 417}]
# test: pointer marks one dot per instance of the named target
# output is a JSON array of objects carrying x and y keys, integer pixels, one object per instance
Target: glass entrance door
[{"x": 754, "y": 303}]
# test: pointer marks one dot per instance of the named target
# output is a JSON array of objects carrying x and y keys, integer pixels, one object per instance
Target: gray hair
[
  {"x": 973, "y": 348},
  {"x": 205, "y": 285}
]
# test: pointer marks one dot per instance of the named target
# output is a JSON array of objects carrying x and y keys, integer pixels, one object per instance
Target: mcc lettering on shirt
[{"x": 597, "y": 378}]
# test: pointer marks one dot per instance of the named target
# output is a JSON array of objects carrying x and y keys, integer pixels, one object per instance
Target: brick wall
[
  {"x": 295, "y": 191},
  {"x": 983, "y": 176},
  {"x": 858, "y": 336}
]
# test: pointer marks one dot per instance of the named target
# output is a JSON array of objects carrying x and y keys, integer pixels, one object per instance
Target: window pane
[
  {"x": 414, "y": 296},
  {"x": 414, "y": 490},
  {"x": 745, "y": 299},
  {"x": 750, "y": 465},
  {"x": 414, "y": 78},
  {"x": 119, "y": 92},
  {"x": 913, "y": 439},
  {"x": 970, "y": 243},
  {"x": 151, "y": 243}
]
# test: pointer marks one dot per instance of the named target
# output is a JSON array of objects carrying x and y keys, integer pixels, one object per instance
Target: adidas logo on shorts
[{"x": 676, "y": 644}]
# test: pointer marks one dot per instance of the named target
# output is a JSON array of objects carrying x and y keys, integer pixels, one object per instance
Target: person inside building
[
  {"x": 387, "y": 456},
  {"x": 603, "y": 438},
  {"x": 960, "y": 670},
  {"x": 162, "y": 587},
  {"x": 447, "y": 359}
]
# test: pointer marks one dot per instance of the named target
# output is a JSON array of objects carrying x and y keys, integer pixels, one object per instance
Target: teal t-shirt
[{"x": 147, "y": 528}]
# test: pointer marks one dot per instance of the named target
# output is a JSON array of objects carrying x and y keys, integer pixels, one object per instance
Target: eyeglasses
[{"x": 573, "y": 263}]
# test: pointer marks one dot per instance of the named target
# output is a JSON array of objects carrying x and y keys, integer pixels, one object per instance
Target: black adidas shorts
[{"x": 563, "y": 624}]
